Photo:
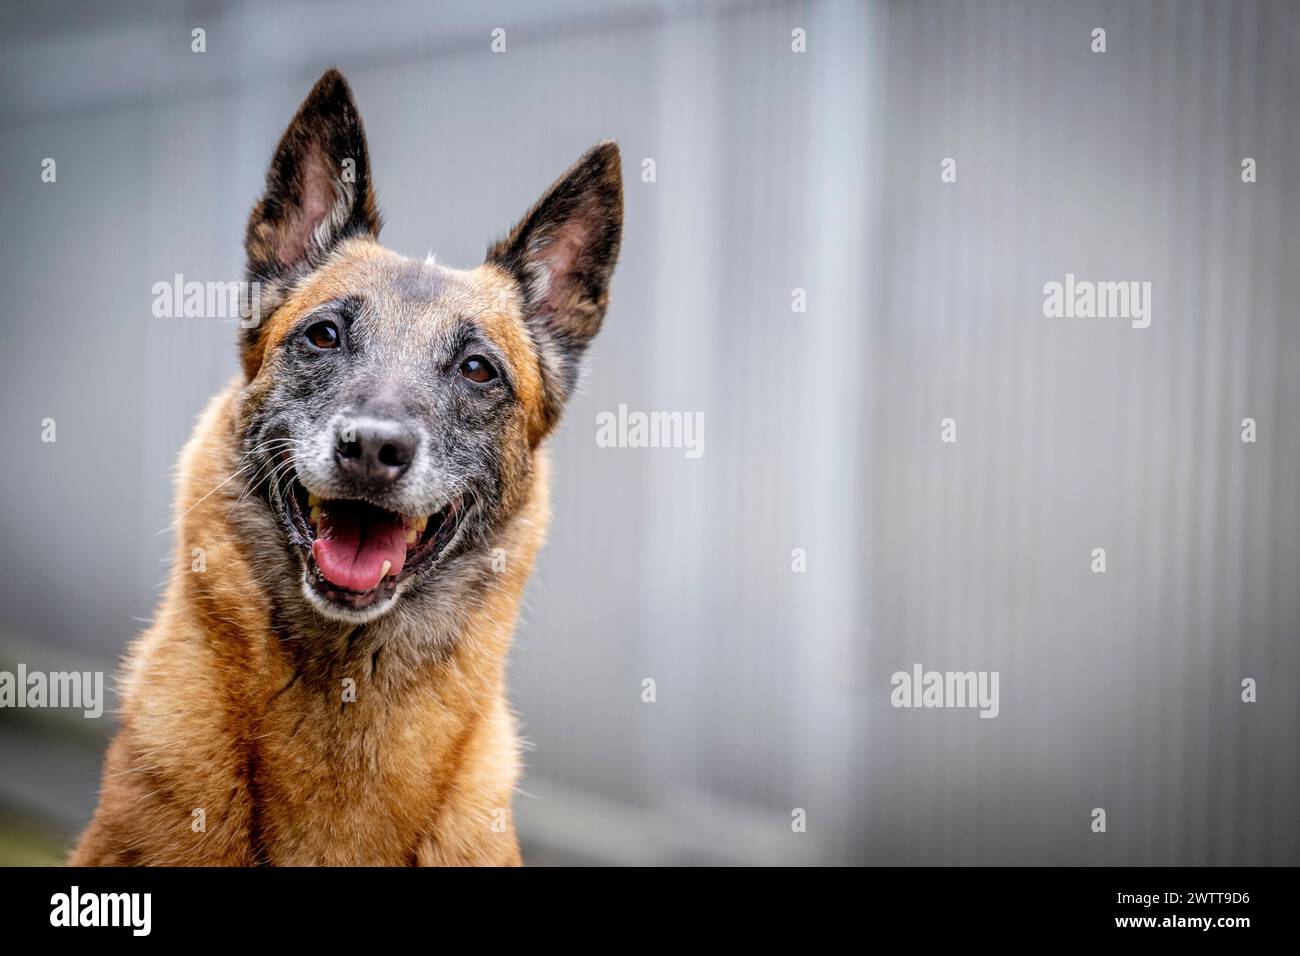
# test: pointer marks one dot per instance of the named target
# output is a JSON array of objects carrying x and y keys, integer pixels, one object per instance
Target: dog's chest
[{"x": 347, "y": 782}]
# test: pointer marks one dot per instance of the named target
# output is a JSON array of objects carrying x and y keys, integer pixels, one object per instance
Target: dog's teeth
[
  {"x": 419, "y": 524},
  {"x": 312, "y": 500},
  {"x": 384, "y": 571},
  {"x": 411, "y": 535},
  {"x": 315, "y": 514}
]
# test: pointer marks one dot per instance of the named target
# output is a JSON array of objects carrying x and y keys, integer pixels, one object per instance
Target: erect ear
[
  {"x": 318, "y": 192},
  {"x": 562, "y": 254}
]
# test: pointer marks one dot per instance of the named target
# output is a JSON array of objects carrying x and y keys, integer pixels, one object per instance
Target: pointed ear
[
  {"x": 562, "y": 254},
  {"x": 318, "y": 192}
]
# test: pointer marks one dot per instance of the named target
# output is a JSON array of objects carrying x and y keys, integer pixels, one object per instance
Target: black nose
[{"x": 374, "y": 450}]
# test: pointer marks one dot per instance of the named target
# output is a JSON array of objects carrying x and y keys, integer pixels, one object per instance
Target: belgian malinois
[{"x": 357, "y": 515}]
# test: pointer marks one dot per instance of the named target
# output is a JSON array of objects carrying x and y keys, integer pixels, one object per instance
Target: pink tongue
[{"x": 353, "y": 543}]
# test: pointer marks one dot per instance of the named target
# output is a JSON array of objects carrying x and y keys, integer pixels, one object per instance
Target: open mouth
[{"x": 357, "y": 553}]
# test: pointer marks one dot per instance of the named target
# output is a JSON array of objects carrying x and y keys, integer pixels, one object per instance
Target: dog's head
[{"x": 393, "y": 406}]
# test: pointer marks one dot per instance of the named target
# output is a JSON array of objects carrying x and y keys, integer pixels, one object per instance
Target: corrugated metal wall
[
  {"x": 1119, "y": 690},
  {"x": 775, "y": 171}
]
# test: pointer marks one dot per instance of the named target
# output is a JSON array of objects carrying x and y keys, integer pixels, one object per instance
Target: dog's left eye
[
  {"x": 324, "y": 335},
  {"x": 478, "y": 369}
]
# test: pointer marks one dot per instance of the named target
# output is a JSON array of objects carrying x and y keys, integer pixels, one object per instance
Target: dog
[{"x": 357, "y": 516}]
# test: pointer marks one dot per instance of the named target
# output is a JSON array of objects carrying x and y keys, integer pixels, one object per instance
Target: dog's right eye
[{"x": 324, "y": 335}]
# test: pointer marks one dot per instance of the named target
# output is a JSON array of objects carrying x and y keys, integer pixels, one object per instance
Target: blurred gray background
[{"x": 775, "y": 171}]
